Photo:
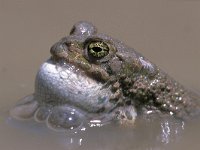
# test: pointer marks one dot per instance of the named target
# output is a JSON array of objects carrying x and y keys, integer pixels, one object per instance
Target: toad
[{"x": 92, "y": 77}]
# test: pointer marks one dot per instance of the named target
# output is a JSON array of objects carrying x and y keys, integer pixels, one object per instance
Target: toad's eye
[{"x": 98, "y": 49}]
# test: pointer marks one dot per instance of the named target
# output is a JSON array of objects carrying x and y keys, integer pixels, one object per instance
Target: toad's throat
[{"x": 58, "y": 84}]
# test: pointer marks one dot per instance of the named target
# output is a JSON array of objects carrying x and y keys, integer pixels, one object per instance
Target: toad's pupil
[{"x": 97, "y": 49}]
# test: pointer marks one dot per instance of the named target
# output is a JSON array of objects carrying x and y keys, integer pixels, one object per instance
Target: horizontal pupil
[{"x": 97, "y": 49}]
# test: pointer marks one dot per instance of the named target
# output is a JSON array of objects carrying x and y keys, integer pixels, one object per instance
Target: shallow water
[
  {"x": 167, "y": 32},
  {"x": 146, "y": 135}
]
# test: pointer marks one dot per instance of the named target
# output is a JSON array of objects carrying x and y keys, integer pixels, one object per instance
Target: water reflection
[
  {"x": 147, "y": 133},
  {"x": 165, "y": 132},
  {"x": 171, "y": 130}
]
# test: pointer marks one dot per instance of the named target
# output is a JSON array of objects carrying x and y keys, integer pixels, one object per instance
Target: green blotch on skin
[{"x": 101, "y": 100}]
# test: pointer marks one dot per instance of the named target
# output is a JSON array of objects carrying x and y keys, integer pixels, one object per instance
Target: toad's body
[{"x": 92, "y": 76}]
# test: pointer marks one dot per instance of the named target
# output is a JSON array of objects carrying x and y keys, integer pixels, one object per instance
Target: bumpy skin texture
[{"x": 94, "y": 76}]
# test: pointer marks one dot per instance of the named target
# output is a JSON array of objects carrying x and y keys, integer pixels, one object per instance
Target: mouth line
[{"x": 91, "y": 70}]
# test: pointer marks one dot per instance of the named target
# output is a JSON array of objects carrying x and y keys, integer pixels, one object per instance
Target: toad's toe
[
  {"x": 42, "y": 113},
  {"x": 25, "y": 108}
]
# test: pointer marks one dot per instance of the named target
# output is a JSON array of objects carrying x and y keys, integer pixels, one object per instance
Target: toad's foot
[{"x": 25, "y": 109}]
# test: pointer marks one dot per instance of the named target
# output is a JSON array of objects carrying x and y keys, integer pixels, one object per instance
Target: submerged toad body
[{"x": 91, "y": 76}]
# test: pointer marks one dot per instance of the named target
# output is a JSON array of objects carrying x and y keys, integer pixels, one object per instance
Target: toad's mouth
[
  {"x": 64, "y": 83},
  {"x": 75, "y": 57}
]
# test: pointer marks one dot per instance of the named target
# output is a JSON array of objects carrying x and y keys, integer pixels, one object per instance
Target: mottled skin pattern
[{"x": 98, "y": 77}]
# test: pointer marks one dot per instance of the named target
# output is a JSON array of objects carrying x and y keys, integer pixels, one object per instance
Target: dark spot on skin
[
  {"x": 128, "y": 102},
  {"x": 79, "y": 92},
  {"x": 101, "y": 110}
]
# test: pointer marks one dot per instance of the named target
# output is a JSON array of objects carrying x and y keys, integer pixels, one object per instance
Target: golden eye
[{"x": 98, "y": 49}]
